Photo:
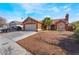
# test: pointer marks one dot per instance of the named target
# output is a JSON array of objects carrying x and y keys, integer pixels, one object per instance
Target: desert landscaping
[{"x": 50, "y": 43}]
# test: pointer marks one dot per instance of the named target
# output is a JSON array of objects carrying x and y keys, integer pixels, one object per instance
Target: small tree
[{"x": 47, "y": 22}]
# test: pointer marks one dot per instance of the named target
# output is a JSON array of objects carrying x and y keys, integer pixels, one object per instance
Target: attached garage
[
  {"x": 61, "y": 25},
  {"x": 31, "y": 24},
  {"x": 30, "y": 27}
]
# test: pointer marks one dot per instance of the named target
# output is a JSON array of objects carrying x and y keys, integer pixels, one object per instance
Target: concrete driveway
[
  {"x": 8, "y": 45},
  {"x": 18, "y": 35}
]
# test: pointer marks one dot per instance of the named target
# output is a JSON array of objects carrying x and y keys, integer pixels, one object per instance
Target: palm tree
[{"x": 47, "y": 22}]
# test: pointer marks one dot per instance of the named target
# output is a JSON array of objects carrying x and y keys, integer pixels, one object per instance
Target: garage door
[
  {"x": 30, "y": 27},
  {"x": 61, "y": 27}
]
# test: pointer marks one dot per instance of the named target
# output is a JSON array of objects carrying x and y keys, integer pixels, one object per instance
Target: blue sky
[{"x": 17, "y": 11}]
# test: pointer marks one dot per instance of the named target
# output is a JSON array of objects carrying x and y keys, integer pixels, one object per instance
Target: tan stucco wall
[{"x": 39, "y": 27}]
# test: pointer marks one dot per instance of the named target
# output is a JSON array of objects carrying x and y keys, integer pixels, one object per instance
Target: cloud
[
  {"x": 67, "y": 8},
  {"x": 31, "y": 8},
  {"x": 55, "y": 9},
  {"x": 39, "y": 8}
]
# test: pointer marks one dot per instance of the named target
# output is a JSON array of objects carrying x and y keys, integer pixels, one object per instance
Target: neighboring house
[
  {"x": 12, "y": 26},
  {"x": 15, "y": 26},
  {"x": 31, "y": 24},
  {"x": 15, "y": 23}
]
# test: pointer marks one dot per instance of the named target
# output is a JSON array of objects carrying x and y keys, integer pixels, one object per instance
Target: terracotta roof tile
[
  {"x": 57, "y": 20},
  {"x": 32, "y": 19}
]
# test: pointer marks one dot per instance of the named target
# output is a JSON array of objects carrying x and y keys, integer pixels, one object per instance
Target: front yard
[{"x": 50, "y": 43}]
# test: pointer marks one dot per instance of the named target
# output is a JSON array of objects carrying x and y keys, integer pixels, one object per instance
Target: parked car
[
  {"x": 5, "y": 30},
  {"x": 1, "y": 29},
  {"x": 11, "y": 29}
]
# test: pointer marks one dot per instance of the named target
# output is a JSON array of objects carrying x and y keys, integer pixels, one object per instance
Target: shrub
[{"x": 76, "y": 35}]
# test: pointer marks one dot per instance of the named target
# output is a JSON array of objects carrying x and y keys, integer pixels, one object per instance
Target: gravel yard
[{"x": 50, "y": 43}]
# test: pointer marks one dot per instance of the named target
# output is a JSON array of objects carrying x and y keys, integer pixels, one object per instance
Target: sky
[{"x": 38, "y": 11}]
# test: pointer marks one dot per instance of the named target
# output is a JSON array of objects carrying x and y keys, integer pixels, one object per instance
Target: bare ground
[{"x": 50, "y": 43}]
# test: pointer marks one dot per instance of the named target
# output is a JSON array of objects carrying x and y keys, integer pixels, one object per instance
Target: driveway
[
  {"x": 18, "y": 35},
  {"x": 8, "y": 45}
]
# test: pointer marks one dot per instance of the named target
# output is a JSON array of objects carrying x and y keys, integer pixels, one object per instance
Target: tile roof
[
  {"x": 54, "y": 21},
  {"x": 32, "y": 19}
]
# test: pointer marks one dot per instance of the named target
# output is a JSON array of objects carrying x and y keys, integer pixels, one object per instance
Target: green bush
[{"x": 76, "y": 35}]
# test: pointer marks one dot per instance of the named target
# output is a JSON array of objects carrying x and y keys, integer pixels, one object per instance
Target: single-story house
[{"x": 31, "y": 24}]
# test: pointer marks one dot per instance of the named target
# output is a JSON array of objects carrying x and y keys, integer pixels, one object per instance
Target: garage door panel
[
  {"x": 61, "y": 26},
  {"x": 30, "y": 27}
]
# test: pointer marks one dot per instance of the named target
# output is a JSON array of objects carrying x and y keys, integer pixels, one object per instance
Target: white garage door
[{"x": 30, "y": 27}]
